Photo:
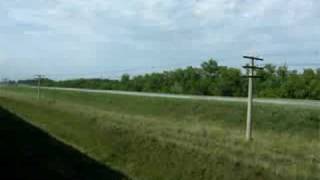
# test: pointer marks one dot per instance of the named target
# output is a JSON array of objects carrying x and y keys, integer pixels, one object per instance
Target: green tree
[{"x": 210, "y": 67}]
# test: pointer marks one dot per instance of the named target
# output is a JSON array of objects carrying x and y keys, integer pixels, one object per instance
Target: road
[{"x": 306, "y": 103}]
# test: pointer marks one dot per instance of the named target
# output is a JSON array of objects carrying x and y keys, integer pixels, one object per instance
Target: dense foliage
[{"x": 210, "y": 79}]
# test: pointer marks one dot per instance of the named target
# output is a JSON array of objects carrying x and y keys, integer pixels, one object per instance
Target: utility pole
[
  {"x": 251, "y": 75},
  {"x": 39, "y": 77}
]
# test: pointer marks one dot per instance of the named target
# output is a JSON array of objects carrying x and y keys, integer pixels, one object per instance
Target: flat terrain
[{"x": 172, "y": 138}]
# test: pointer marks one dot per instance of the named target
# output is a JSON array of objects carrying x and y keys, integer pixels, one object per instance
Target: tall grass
[{"x": 157, "y": 138}]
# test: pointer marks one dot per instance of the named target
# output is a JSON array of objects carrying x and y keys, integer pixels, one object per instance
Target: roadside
[{"x": 300, "y": 102}]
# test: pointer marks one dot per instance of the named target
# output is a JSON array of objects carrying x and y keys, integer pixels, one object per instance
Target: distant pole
[
  {"x": 249, "y": 112},
  {"x": 39, "y": 77},
  {"x": 251, "y": 75},
  {"x": 39, "y": 84}
]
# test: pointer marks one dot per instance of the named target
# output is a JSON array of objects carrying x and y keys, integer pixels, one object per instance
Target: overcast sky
[{"x": 74, "y": 38}]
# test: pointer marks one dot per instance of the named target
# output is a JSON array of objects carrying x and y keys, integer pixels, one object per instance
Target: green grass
[
  {"x": 29, "y": 153},
  {"x": 160, "y": 138}
]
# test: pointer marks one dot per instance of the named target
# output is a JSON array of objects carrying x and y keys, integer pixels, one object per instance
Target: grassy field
[
  {"x": 160, "y": 138},
  {"x": 29, "y": 153}
]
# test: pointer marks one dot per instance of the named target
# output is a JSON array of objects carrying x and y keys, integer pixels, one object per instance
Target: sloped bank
[
  {"x": 134, "y": 151},
  {"x": 30, "y": 153}
]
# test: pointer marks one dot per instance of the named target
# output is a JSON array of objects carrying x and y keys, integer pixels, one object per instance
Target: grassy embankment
[
  {"x": 159, "y": 138},
  {"x": 30, "y": 153}
]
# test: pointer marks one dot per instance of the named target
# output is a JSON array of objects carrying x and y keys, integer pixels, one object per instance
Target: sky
[{"x": 105, "y": 38}]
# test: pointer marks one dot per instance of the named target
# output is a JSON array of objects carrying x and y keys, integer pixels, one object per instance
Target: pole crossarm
[
  {"x": 39, "y": 76},
  {"x": 252, "y": 67},
  {"x": 253, "y": 58}
]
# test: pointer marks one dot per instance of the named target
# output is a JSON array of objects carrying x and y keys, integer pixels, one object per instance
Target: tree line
[{"x": 209, "y": 79}]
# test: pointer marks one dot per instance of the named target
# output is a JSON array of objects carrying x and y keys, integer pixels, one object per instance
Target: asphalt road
[{"x": 305, "y": 103}]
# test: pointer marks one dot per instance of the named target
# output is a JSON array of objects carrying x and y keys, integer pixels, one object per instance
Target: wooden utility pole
[
  {"x": 251, "y": 75},
  {"x": 39, "y": 77}
]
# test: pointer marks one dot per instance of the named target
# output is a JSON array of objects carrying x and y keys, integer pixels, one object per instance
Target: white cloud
[
  {"x": 214, "y": 10},
  {"x": 58, "y": 20},
  {"x": 153, "y": 30},
  {"x": 158, "y": 12},
  {"x": 288, "y": 11},
  {"x": 298, "y": 11},
  {"x": 2, "y": 60},
  {"x": 81, "y": 18}
]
